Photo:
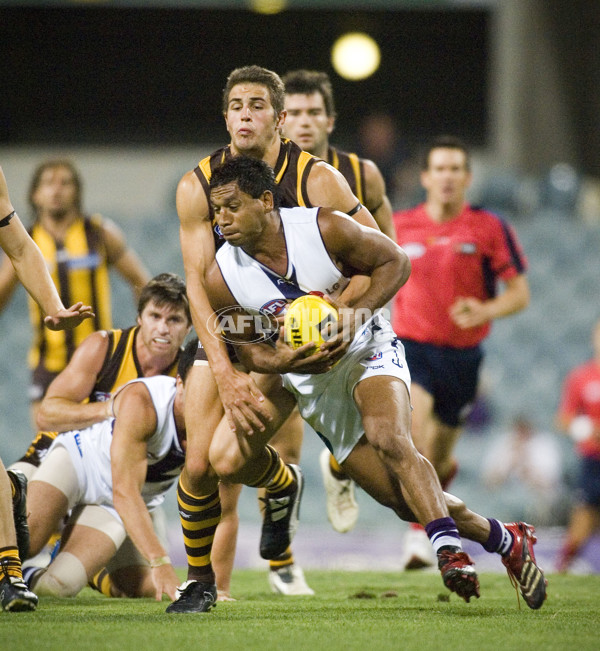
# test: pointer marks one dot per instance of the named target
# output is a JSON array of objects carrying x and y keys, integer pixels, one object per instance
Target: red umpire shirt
[{"x": 465, "y": 256}]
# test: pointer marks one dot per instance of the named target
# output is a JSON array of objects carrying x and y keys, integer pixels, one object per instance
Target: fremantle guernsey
[
  {"x": 259, "y": 289},
  {"x": 89, "y": 450},
  {"x": 325, "y": 400}
]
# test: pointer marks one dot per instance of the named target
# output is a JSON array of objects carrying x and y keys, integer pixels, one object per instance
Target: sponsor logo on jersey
[
  {"x": 274, "y": 307},
  {"x": 466, "y": 248},
  {"x": 414, "y": 250},
  {"x": 375, "y": 357},
  {"x": 89, "y": 261}
]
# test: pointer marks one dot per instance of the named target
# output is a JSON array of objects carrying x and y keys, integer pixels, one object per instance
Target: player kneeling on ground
[
  {"x": 275, "y": 255},
  {"x": 112, "y": 475}
]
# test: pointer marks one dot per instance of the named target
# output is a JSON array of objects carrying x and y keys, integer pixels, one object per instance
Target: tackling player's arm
[
  {"x": 124, "y": 259},
  {"x": 377, "y": 200},
  {"x": 239, "y": 394},
  {"x": 63, "y": 407},
  {"x": 134, "y": 424}
]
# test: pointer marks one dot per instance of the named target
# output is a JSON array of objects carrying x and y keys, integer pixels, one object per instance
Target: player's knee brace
[{"x": 65, "y": 577}]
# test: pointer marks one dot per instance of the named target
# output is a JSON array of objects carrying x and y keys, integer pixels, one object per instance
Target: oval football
[{"x": 306, "y": 320}]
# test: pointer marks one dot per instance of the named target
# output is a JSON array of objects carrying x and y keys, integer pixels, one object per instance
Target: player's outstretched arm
[
  {"x": 241, "y": 398},
  {"x": 134, "y": 424},
  {"x": 63, "y": 407},
  {"x": 69, "y": 317}
]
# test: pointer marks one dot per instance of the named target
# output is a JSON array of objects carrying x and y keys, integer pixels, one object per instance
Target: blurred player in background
[
  {"x": 528, "y": 462},
  {"x": 79, "y": 250},
  {"x": 310, "y": 120},
  {"x": 461, "y": 256},
  {"x": 29, "y": 267},
  {"x": 579, "y": 415}
]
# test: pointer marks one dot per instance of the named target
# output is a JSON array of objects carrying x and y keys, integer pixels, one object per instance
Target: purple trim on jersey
[
  {"x": 489, "y": 277},
  {"x": 287, "y": 286},
  {"x": 163, "y": 470},
  {"x": 511, "y": 243}
]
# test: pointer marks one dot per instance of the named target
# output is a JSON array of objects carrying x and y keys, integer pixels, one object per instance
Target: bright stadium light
[
  {"x": 268, "y": 6},
  {"x": 355, "y": 56}
]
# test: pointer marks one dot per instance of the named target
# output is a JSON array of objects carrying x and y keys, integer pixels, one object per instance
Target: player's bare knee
[
  {"x": 197, "y": 467},
  {"x": 37, "y": 538},
  {"x": 227, "y": 466}
]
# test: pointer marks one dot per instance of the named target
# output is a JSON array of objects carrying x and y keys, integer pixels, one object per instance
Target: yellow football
[{"x": 306, "y": 319}]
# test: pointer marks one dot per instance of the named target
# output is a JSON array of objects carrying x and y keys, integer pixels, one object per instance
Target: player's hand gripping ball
[{"x": 307, "y": 319}]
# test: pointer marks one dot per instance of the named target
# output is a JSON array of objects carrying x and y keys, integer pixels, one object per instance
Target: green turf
[{"x": 351, "y": 610}]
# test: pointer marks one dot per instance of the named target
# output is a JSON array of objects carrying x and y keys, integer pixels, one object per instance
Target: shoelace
[{"x": 516, "y": 585}]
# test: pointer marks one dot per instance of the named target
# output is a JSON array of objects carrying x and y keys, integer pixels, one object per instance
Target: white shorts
[
  {"x": 91, "y": 483},
  {"x": 59, "y": 471},
  {"x": 326, "y": 401}
]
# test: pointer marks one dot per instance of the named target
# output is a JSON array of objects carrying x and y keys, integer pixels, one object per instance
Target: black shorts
[
  {"x": 450, "y": 375},
  {"x": 588, "y": 481}
]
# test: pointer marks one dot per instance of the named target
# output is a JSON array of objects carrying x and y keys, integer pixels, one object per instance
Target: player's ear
[
  {"x": 281, "y": 119},
  {"x": 330, "y": 125},
  {"x": 268, "y": 200}
]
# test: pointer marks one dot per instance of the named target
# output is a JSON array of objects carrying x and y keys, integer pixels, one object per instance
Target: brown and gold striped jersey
[{"x": 291, "y": 173}]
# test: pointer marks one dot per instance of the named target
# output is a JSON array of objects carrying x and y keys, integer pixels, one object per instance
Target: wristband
[
  {"x": 160, "y": 560},
  {"x": 355, "y": 209},
  {"x": 6, "y": 220}
]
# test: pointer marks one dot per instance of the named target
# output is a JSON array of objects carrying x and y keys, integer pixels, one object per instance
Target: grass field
[{"x": 351, "y": 610}]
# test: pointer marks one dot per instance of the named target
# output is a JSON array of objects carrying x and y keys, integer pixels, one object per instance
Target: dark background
[{"x": 137, "y": 76}]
